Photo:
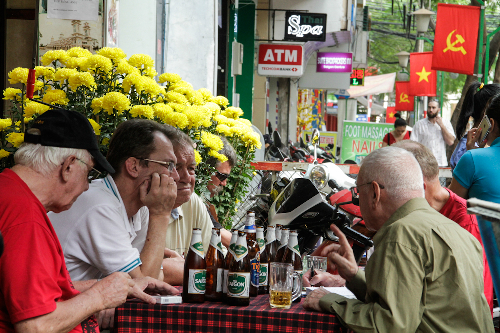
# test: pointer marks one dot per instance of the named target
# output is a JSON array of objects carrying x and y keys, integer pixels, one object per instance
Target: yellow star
[
  {"x": 391, "y": 115},
  {"x": 423, "y": 75}
]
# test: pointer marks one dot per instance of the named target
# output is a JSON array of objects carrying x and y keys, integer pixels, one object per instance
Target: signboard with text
[
  {"x": 326, "y": 140},
  {"x": 301, "y": 26},
  {"x": 358, "y": 77},
  {"x": 360, "y": 138},
  {"x": 282, "y": 60},
  {"x": 331, "y": 62}
]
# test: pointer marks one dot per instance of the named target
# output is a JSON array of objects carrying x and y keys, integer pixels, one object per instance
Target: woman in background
[{"x": 399, "y": 133}]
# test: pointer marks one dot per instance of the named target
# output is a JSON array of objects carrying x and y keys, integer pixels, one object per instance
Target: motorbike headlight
[{"x": 318, "y": 176}]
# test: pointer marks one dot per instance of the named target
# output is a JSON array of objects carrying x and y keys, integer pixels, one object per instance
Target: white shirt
[
  {"x": 192, "y": 214},
  {"x": 431, "y": 136},
  {"x": 96, "y": 235}
]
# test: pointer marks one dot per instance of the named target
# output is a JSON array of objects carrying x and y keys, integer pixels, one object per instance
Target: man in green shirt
[{"x": 422, "y": 276}]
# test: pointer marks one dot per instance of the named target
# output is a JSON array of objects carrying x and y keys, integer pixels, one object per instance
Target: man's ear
[
  {"x": 376, "y": 194},
  {"x": 132, "y": 166},
  {"x": 68, "y": 167}
]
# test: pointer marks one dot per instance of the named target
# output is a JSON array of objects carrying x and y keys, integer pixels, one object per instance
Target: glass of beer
[{"x": 281, "y": 285}]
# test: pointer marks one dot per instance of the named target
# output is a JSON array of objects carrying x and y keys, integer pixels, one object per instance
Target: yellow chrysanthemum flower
[
  {"x": 144, "y": 111},
  {"x": 196, "y": 98},
  {"x": 18, "y": 74},
  {"x": 177, "y": 119},
  {"x": 211, "y": 141},
  {"x": 150, "y": 72},
  {"x": 215, "y": 108},
  {"x": 161, "y": 110},
  {"x": 135, "y": 80},
  {"x": 73, "y": 63},
  {"x": 221, "y": 100},
  {"x": 245, "y": 122},
  {"x": 16, "y": 139},
  {"x": 224, "y": 129},
  {"x": 54, "y": 55},
  {"x": 95, "y": 126},
  {"x": 220, "y": 119},
  {"x": 232, "y": 112},
  {"x": 151, "y": 87},
  {"x": 55, "y": 96},
  {"x": 251, "y": 139},
  {"x": 177, "y": 107},
  {"x": 141, "y": 61},
  {"x": 169, "y": 77},
  {"x": 78, "y": 52},
  {"x": 12, "y": 93},
  {"x": 81, "y": 79},
  {"x": 39, "y": 85},
  {"x": 179, "y": 84},
  {"x": 113, "y": 53},
  {"x": 207, "y": 94},
  {"x": 197, "y": 157},
  {"x": 115, "y": 101},
  {"x": 105, "y": 141},
  {"x": 33, "y": 108},
  {"x": 96, "y": 105},
  {"x": 46, "y": 72},
  {"x": 238, "y": 130},
  {"x": 125, "y": 68},
  {"x": 97, "y": 63},
  {"x": 3, "y": 153},
  {"x": 5, "y": 123},
  {"x": 176, "y": 97},
  {"x": 220, "y": 157},
  {"x": 64, "y": 74},
  {"x": 27, "y": 120},
  {"x": 198, "y": 116}
]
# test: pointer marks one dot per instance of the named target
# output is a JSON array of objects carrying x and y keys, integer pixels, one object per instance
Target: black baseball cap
[{"x": 67, "y": 129}]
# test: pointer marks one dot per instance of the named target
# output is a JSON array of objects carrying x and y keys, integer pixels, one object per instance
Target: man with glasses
[
  {"x": 422, "y": 276},
  {"x": 59, "y": 154},
  {"x": 217, "y": 183},
  {"x": 121, "y": 222}
]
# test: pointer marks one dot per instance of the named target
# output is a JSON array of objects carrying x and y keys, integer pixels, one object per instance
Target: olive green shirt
[{"x": 424, "y": 276}]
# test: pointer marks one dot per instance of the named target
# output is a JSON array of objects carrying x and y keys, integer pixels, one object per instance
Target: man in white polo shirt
[{"x": 120, "y": 223}]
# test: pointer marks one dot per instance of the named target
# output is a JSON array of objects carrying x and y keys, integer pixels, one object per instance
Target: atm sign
[{"x": 283, "y": 60}]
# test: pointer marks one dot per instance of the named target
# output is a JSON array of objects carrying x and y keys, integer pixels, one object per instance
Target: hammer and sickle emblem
[
  {"x": 403, "y": 98},
  {"x": 451, "y": 46}
]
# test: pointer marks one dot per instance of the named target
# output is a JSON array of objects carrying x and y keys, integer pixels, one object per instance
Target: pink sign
[{"x": 329, "y": 62}]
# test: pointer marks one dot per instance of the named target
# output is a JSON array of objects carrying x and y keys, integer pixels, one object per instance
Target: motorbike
[{"x": 302, "y": 207}]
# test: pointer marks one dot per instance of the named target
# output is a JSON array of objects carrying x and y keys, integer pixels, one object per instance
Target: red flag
[
  {"x": 422, "y": 78},
  {"x": 455, "y": 40},
  {"x": 404, "y": 100},
  {"x": 389, "y": 114}
]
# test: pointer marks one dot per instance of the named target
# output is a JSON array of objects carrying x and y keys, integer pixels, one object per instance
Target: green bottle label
[
  {"x": 263, "y": 275},
  {"x": 240, "y": 252},
  {"x": 238, "y": 284},
  {"x": 197, "y": 281},
  {"x": 198, "y": 249}
]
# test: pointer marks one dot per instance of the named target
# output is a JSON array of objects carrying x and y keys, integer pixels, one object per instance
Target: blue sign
[{"x": 361, "y": 117}]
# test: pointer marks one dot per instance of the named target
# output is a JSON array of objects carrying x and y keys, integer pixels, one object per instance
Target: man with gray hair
[
  {"x": 53, "y": 166},
  {"x": 422, "y": 276},
  {"x": 447, "y": 203}
]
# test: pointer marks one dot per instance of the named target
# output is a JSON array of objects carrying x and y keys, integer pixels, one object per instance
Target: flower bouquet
[{"x": 109, "y": 89}]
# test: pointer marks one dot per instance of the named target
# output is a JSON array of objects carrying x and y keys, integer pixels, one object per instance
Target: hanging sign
[
  {"x": 330, "y": 62},
  {"x": 283, "y": 60},
  {"x": 300, "y": 26},
  {"x": 358, "y": 77}
]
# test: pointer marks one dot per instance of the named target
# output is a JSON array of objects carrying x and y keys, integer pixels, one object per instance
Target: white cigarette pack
[{"x": 168, "y": 299}]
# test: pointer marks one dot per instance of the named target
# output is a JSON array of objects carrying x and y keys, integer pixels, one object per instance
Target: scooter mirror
[
  {"x": 277, "y": 139},
  {"x": 315, "y": 137}
]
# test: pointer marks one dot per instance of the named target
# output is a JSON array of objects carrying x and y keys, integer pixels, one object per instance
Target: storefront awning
[{"x": 376, "y": 84}]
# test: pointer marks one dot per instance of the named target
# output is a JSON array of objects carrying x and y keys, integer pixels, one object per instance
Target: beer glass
[{"x": 284, "y": 285}]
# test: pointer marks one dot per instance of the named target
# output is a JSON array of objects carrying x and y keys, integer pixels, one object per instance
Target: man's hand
[
  {"x": 106, "y": 319},
  {"x": 151, "y": 286},
  {"x": 158, "y": 194},
  {"x": 340, "y": 255},
  {"x": 322, "y": 279},
  {"x": 173, "y": 267},
  {"x": 312, "y": 300}
]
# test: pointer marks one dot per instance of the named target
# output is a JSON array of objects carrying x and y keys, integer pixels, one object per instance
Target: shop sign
[
  {"x": 331, "y": 62},
  {"x": 283, "y": 60},
  {"x": 300, "y": 26},
  {"x": 358, "y": 77},
  {"x": 360, "y": 138},
  {"x": 327, "y": 140}
]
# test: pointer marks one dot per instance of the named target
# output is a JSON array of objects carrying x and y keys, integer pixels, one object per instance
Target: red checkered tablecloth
[{"x": 218, "y": 317}]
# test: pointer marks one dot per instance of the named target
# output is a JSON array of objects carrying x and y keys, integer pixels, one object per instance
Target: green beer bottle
[
  {"x": 238, "y": 277},
  {"x": 193, "y": 284}
]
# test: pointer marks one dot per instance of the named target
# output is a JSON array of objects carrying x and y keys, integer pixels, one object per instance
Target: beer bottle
[
  {"x": 272, "y": 244},
  {"x": 283, "y": 244},
  {"x": 227, "y": 262},
  {"x": 254, "y": 254},
  {"x": 193, "y": 284},
  {"x": 292, "y": 256},
  {"x": 238, "y": 277},
  {"x": 215, "y": 268},
  {"x": 264, "y": 262},
  {"x": 278, "y": 232}
]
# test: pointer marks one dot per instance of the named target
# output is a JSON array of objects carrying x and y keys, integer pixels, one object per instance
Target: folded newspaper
[{"x": 342, "y": 291}]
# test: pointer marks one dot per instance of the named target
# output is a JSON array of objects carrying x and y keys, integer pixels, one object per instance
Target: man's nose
[
  {"x": 183, "y": 175},
  {"x": 224, "y": 182},
  {"x": 175, "y": 175}
]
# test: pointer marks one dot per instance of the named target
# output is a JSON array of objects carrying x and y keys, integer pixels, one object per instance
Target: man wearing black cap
[{"x": 52, "y": 169}]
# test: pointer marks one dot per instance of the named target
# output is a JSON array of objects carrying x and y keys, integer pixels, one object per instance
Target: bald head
[
  {"x": 424, "y": 157},
  {"x": 397, "y": 170}
]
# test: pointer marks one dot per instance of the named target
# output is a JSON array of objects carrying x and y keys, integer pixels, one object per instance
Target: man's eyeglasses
[
  {"x": 221, "y": 176},
  {"x": 354, "y": 189},
  {"x": 169, "y": 165},
  {"x": 93, "y": 173}
]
